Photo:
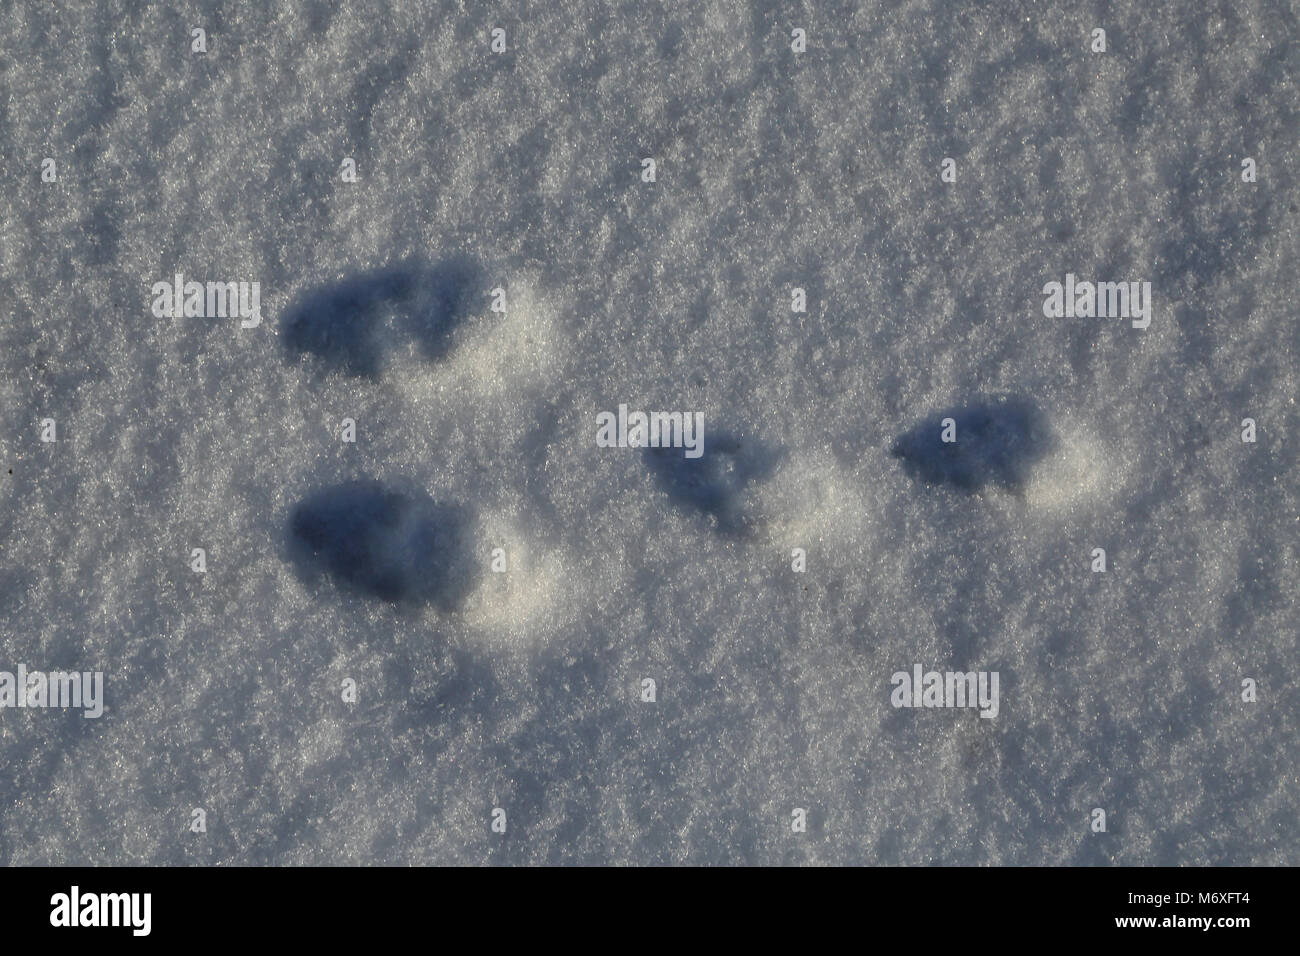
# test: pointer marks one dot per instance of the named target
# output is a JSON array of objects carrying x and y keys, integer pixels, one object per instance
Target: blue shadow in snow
[
  {"x": 999, "y": 440},
  {"x": 337, "y": 323},
  {"x": 401, "y": 548},
  {"x": 715, "y": 483}
]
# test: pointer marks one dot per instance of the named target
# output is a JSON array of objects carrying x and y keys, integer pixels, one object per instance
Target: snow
[{"x": 523, "y": 171}]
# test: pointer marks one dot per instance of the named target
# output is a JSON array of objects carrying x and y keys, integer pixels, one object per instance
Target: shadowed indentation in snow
[
  {"x": 447, "y": 292},
  {"x": 716, "y": 482},
  {"x": 398, "y": 547},
  {"x": 338, "y": 323},
  {"x": 999, "y": 440}
]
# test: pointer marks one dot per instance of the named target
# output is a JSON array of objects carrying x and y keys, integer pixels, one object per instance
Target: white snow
[{"x": 775, "y": 170}]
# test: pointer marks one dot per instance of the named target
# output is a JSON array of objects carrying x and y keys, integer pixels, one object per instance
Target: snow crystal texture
[{"x": 521, "y": 170}]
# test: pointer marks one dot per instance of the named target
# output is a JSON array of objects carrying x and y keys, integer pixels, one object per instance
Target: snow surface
[{"x": 522, "y": 170}]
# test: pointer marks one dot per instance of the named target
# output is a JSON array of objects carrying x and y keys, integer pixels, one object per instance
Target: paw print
[{"x": 372, "y": 537}]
